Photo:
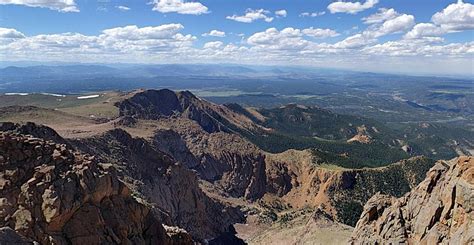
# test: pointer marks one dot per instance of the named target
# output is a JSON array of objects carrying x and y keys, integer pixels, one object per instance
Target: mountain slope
[{"x": 169, "y": 187}]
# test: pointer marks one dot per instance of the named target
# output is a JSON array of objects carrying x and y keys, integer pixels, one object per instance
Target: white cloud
[
  {"x": 396, "y": 25},
  {"x": 422, "y": 30},
  {"x": 355, "y": 41},
  {"x": 10, "y": 33},
  {"x": 122, "y": 8},
  {"x": 121, "y": 43},
  {"x": 180, "y": 7},
  {"x": 351, "y": 7},
  {"x": 420, "y": 48},
  {"x": 382, "y": 15},
  {"x": 58, "y": 5},
  {"x": 252, "y": 15},
  {"x": 213, "y": 45},
  {"x": 273, "y": 36},
  {"x": 314, "y": 14},
  {"x": 149, "y": 32},
  {"x": 320, "y": 33},
  {"x": 167, "y": 43},
  {"x": 281, "y": 13},
  {"x": 214, "y": 33},
  {"x": 456, "y": 17}
]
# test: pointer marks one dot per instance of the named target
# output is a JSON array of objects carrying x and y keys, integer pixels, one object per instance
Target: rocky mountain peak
[
  {"x": 151, "y": 104},
  {"x": 439, "y": 210},
  {"x": 164, "y": 103}
]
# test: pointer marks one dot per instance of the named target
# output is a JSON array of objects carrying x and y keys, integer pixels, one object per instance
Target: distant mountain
[
  {"x": 17, "y": 73},
  {"x": 53, "y": 71}
]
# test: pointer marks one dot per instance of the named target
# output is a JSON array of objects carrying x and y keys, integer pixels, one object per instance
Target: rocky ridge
[
  {"x": 54, "y": 195},
  {"x": 440, "y": 210}
]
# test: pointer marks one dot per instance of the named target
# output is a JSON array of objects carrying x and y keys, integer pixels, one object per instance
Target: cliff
[{"x": 438, "y": 210}]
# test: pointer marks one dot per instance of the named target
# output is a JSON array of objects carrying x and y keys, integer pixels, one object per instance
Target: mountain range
[{"x": 152, "y": 166}]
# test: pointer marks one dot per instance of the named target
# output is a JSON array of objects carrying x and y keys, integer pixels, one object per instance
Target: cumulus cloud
[
  {"x": 126, "y": 43},
  {"x": 355, "y": 41},
  {"x": 320, "y": 33},
  {"x": 58, "y": 5},
  {"x": 274, "y": 37},
  {"x": 150, "y": 32},
  {"x": 398, "y": 24},
  {"x": 382, "y": 15},
  {"x": 252, "y": 15},
  {"x": 314, "y": 14},
  {"x": 383, "y": 24},
  {"x": 351, "y": 7},
  {"x": 167, "y": 43},
  {"x": 9, "y": 33},
  {"x": 281, "y": 13},
  {"x": 420, "y": 48},
  {"x": 213, "y": 45},
  {"x": 456, "y": 17},
  {"x": 180, "y": 7},
  {"x": 423, "y": 30},
  {"x": 122, "y": 8},
  {"x": 214, "y": 33}
]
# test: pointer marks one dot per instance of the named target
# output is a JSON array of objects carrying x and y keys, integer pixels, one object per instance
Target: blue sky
[{"x": 435, "y": 36}]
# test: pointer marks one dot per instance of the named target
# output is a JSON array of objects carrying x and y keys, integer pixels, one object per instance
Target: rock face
[
  {"x": 439, "y": 210},
  {"x": 171, "y": 188},
  {"x": 298, "y": 181},
  {"x": 53, "y": 195},
  {"x": 225, "y": 159}
]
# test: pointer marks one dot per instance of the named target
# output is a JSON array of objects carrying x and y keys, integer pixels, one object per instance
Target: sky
[{"x": 398, "y": 36}]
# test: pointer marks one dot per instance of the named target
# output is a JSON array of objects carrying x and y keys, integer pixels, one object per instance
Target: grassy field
[{"x": 99, "y": 107}]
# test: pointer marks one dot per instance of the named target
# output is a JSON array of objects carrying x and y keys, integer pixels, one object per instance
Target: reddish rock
[
  {"x": 439, "y": 210},
  {"x": 61, "y": 197}
]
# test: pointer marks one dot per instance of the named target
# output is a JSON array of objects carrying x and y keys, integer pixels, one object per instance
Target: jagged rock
[
  {"x": 439, "y": 210},
  {"x": 54, "y": 195},
  {"x": 171, "y": 188},
  {"x": 35, "y": 130},
  {"x": 178, "y": 236}
]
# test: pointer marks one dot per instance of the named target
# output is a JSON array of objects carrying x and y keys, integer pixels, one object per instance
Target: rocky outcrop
[
  {"x": 439, "y": 210},
  {"x": 171, "y": 188},
  {"x": 38, "y": 131},
  {"x": 53, "y": 195}
]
